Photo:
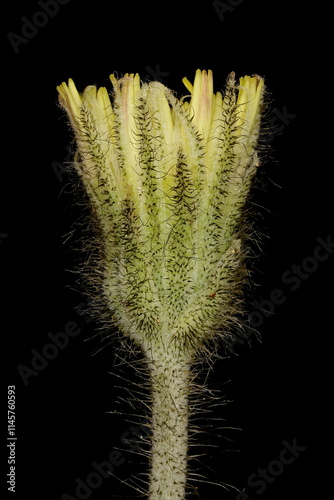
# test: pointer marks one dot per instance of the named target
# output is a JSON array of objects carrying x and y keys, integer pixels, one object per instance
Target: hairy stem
[{"x": 170, "y": 376}]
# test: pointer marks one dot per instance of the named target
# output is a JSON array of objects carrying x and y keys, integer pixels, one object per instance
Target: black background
[{"x": 279, "y": 386}]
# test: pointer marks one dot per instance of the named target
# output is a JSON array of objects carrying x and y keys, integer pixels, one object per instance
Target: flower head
[{"x": 168, "y": 179}]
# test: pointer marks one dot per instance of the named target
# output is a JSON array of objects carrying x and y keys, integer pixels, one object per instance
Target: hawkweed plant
[{"x": 167, "y": 180}]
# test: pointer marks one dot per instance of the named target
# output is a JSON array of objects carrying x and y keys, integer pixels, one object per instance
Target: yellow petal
[
  {"x": 201, "y": 101},
  {"x": 70, "y": 99},
  {"x": 249, "y": 103},
  {"x": 187, "y": 84}
]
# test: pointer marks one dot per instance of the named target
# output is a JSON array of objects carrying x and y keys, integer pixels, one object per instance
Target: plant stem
[{"x": 170, "y": 377}]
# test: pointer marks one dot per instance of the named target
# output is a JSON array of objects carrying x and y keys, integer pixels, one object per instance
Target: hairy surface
[{"x": 167, "y": 182}]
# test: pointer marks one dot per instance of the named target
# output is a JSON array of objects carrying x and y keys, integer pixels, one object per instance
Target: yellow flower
[{"x": 168, "y": 180}]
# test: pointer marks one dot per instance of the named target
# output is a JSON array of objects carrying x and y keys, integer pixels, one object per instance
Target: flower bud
[{"x": 168, "y": 180}]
